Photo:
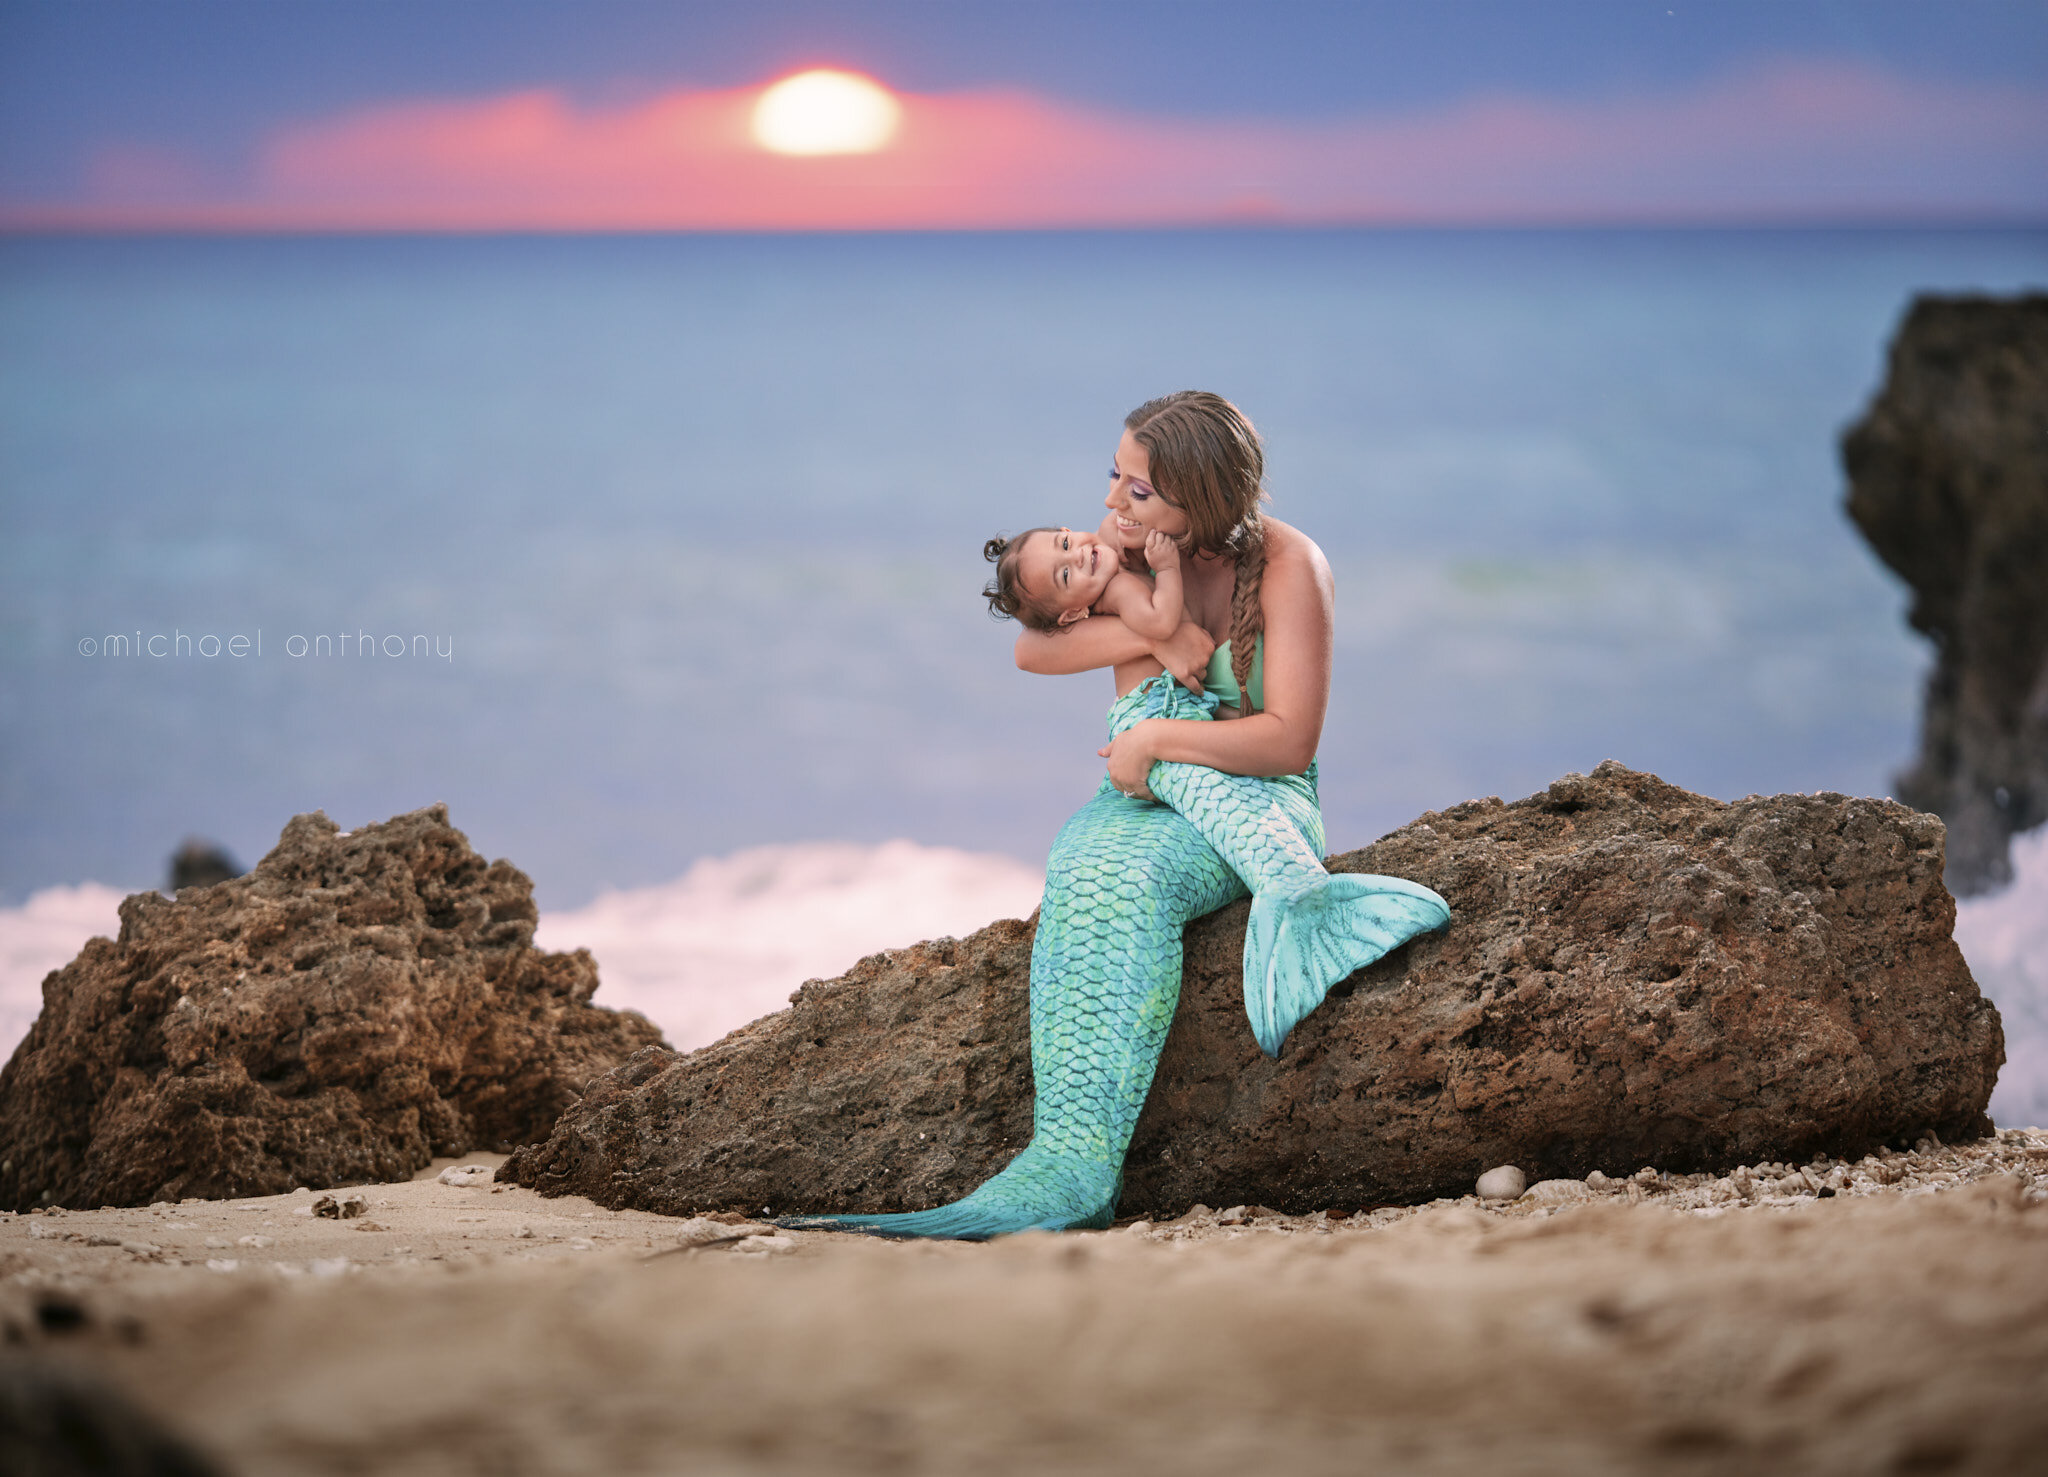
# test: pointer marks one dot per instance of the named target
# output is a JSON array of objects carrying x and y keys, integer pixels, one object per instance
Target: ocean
[
  {"x": 640, "y": 550},
  {"x": 647, "y": 553}
]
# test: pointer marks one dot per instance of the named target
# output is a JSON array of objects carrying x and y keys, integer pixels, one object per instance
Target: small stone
[
  {"x": 258, "y": 1242},
  {"x": 1237, "y": 1215},
  {"x": 1557, "y": 1192},
  {"x": 700, "y": 1230},
  {"x": 370, "y": 1226},
  {"x": 1598, "y": 1181},
  {"x": 339, "y": 1210},
  {"x": 582, "y": 1243},
  {"x": 103, "y": 1241},
  {"x": 218, "y": 1243},
  {"x": 774, "y": 1245},
  {"x": 467, "y": 1174},
  {"x": 522, "y": 1233},
  {"x": 1503, "y": 1182},
  {"x": 142, "y": 1248},
  {"x": 1137, "y": 1228},
  {"x": 221, "y": 1264}
]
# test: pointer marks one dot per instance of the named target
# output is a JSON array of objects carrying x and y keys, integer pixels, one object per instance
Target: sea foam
[
  {"x": 700, "y": 956},
  {"x": 727, "y": 941},
  {"x": 2005, "y": 938}
]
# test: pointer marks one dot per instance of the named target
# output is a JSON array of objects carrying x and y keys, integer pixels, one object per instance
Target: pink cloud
[
  {"x": 126, "y": 173},
  {"x": 1790, "y": 141}
]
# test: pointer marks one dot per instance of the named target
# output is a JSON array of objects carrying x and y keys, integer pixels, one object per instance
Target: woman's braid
[{"x": 1247, "y": 615}]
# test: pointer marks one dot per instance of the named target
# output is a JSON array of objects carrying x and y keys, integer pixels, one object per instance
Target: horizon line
[{"x": 17, "y": 227}]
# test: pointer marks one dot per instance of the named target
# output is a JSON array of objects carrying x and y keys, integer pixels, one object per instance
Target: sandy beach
[{"x": 1889, "y": 1315}]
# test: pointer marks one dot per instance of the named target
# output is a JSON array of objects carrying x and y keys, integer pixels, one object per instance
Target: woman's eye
[{"x": 1139, "y": 494}]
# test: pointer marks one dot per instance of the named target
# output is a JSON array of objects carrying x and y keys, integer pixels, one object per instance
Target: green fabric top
[{"x": 1219, "y": 681}]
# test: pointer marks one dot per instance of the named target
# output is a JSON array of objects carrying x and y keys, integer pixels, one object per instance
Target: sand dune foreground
[{"x": 1746, "y": 1323}]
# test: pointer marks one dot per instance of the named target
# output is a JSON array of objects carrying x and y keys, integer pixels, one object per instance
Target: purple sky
[{"x": 174, "y": 112}]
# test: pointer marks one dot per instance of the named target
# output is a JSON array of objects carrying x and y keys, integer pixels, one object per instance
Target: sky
[{"x": 609, "y": 114}]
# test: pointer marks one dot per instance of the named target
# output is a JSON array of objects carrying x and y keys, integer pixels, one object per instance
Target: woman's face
[{"x": 1136, "y": 502}]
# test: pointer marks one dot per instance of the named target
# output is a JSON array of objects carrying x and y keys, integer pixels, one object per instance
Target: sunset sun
[{"x": 826, "y": 112}]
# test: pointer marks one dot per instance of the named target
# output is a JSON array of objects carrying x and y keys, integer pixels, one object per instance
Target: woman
[{"x": 1126, "y": 875}]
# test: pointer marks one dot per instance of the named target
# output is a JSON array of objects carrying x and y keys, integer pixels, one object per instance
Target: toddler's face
[{"x": 1066, "y": 571}]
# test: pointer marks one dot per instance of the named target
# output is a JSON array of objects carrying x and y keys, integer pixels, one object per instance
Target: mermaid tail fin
[
  {"x": 1037, "y": 1192},
  {"x": 1300, "y": 943},
  {"x": 956, "y": 1222}
]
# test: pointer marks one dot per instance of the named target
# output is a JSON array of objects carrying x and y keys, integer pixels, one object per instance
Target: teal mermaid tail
[
  {"x": 1308, "y": 929},
  {"x": 1298, "y": 945},
  {"x": 1124, "y": 878}
]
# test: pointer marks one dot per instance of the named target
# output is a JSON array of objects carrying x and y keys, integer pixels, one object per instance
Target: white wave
[
  {"x": 43, "y": 934},
  {"x": 725, "y": 943},
  {"x": 2005, "y": 938},
  {"x": 729, "y": 940},
  {"x": 720, "y": 946}
]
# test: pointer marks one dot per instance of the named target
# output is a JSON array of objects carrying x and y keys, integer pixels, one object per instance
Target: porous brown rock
[
  {"x": 1948, "y": 480},
  {"x": 351, "y": 1008},
  {"x": 1633, "y": 975}
]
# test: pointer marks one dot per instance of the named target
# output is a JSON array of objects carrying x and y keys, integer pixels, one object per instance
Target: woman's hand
[
  {"x": 1186, "y": 654},
  {"x": 1130, "y": 758}
]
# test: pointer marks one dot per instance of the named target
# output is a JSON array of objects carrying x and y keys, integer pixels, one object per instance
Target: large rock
[
  {"x": 353, "y": 1007},
  {"x": 1948, "y": 479},
  {"x": 1633, "y": 975}
]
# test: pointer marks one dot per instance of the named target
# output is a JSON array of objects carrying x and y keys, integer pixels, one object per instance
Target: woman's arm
[
  {"x": 1108, "y": 642},
  {"x": 1298, "y": 600}
]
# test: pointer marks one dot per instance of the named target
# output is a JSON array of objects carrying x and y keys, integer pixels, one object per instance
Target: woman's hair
[
  {"x": 1005, "y": 593},
  {"x": 1207, "y": 461}
]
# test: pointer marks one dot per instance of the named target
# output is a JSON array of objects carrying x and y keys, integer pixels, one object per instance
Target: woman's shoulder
[{"x": 1292, "y": 553}]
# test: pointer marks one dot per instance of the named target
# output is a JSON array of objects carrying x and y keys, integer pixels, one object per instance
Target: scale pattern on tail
[
  {"x": 1308, "y": 929},
  {"x": 1124, "y": 878}
]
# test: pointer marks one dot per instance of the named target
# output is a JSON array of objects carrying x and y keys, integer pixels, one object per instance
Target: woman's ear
[{"x": 1068, "y": 617}]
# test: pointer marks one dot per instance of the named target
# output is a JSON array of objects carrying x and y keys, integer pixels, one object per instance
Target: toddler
[{"x": 1049, "y": 578}]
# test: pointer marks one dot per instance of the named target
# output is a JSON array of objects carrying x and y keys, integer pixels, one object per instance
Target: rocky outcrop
[
  {"x": 1633, "y": 975},
  {"x": 356, "y": 1005},
  {"x": 1948, "y": 479}
]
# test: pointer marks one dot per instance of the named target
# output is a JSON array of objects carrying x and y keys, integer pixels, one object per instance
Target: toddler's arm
[{"x": 1151, "y": 608}]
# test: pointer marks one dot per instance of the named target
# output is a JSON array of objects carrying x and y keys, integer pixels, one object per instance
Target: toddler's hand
[{"x": 1161, "y": 552}]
